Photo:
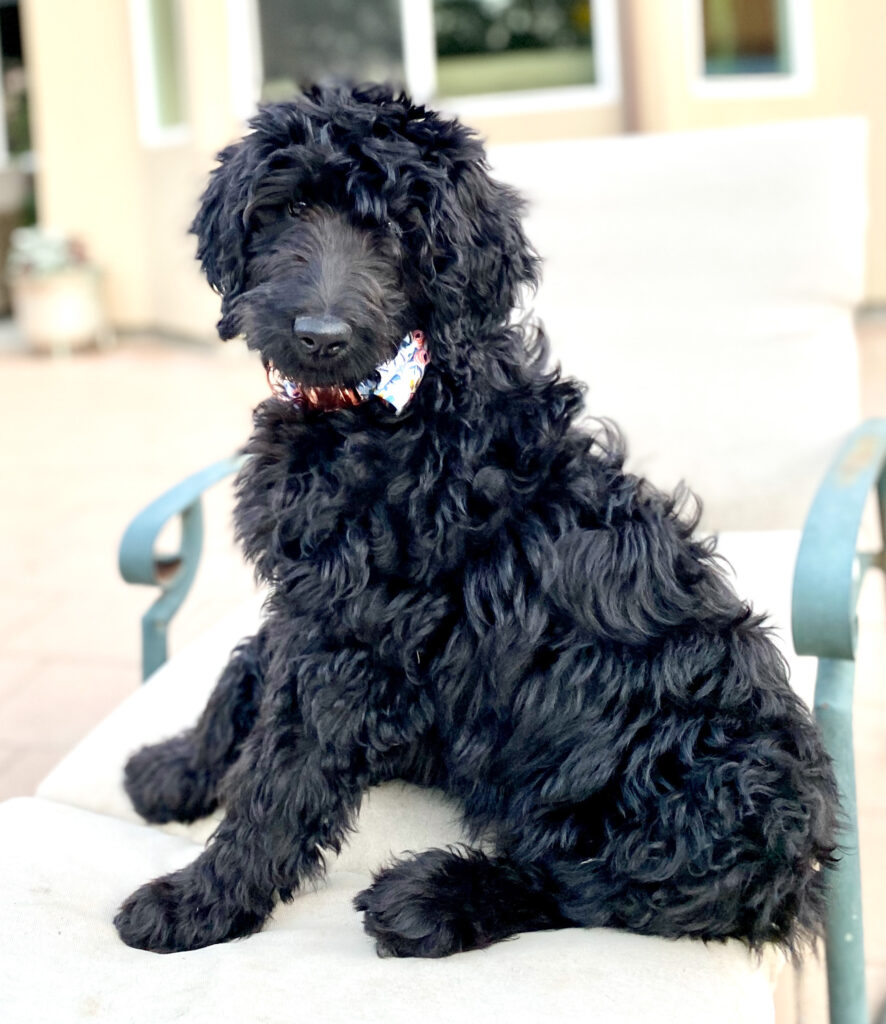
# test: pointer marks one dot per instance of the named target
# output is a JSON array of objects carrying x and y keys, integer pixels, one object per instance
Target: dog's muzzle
[{"x": 398, "y": 380}]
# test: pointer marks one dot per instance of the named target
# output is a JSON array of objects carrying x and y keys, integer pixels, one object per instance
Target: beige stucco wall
[
  {"x": 180, "y": 301},
  {"x": 541, "y": 125},
  {"x": 90, "y": 178}
]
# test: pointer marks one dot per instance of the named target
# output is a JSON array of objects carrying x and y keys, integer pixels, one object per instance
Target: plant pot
[{"x": 59, "y": 310}]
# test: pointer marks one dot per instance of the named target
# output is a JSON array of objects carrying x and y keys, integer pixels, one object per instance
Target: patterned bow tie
[{"x": 398, "y": 380}]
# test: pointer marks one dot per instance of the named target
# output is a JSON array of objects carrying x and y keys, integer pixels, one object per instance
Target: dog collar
[{"x": 398, "y": 380}]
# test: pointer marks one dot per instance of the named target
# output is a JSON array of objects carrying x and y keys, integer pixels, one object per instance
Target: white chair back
[{"x": 703, "y": 285}]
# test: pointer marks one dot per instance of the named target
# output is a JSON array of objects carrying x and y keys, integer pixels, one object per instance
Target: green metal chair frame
[
  {"x": 827, "y": 581},
  {"x": 173, "y": 574}
]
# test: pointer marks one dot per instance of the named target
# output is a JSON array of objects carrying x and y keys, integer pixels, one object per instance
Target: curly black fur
[{"x": 471, "y": 594}]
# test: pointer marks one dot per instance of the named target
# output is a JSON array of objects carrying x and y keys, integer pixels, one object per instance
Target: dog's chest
[
  {"x": 369, "y": 510},
  {"x": 392, "y": 538}
]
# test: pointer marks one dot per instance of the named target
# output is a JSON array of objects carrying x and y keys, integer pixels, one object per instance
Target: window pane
[
  {"x": 15, "y": 83},
  {"x": 745, "y": 37},
  {"x": 306, "y": 41},
  {"x": 506, "y": 45},
  {"x": 167, "y": 65}
]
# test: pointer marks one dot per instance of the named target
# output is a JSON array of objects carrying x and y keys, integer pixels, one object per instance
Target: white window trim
[
  {"x": 419, "y": 49},
  {"x": 244, "y": 57},
  {"x": 420, "y": 58},
  {"x": 799, "y": 81},
  {"x": 150, "y": 132}
]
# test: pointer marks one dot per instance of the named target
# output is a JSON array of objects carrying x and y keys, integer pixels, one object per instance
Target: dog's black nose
[{"x": 321, "y": 336}]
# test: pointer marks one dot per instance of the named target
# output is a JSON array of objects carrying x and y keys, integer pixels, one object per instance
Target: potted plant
[{"x": 56, "y": 293}]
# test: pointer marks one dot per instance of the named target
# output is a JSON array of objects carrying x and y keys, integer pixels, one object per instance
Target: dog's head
[{"x": 349, "y": 217}]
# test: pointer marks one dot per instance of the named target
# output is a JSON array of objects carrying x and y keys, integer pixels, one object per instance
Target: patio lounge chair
[{"x": 704, "y": 284}]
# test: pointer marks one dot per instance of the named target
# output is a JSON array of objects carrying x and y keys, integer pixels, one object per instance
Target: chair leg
[{"x": 844, "y": 936}]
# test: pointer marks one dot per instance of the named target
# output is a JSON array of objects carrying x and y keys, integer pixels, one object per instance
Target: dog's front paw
[
  {"x": 149, "y": 918},
  {"x": 165, "y": 916}
]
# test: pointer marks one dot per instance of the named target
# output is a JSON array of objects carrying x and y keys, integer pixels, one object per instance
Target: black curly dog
[{"x": 469, "y": 593}]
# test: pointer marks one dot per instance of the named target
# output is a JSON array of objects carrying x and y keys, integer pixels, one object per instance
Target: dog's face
[
  {"x": 326, "y": 299},
  {"x": 348, "y": 218}
]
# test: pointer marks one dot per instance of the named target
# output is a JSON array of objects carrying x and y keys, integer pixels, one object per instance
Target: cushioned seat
[{"x": 64, "y": 870}]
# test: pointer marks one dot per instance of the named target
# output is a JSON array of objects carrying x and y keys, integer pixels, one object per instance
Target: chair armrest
[
  {"x": 827, "y": 581},
  {"x": 829, "y": 569},
  {"x": 173, "y": 574}
]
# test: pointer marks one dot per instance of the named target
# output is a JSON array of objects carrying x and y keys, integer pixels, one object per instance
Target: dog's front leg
[{"x": 286, "y": 798}]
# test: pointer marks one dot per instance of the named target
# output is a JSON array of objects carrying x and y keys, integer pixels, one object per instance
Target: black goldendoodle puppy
[{"x": 467, "y": 591}]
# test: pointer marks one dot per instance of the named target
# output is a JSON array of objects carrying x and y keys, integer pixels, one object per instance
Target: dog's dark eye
[{"x": 295, "y": 208}]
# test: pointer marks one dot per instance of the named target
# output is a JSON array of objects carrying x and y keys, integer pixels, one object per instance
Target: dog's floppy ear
[
  {"x": 221, "y": 229},
  {"x": 480, "y": 238}
]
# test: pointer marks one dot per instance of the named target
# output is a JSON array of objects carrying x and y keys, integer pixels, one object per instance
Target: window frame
[
  {"x": 420, "y": 65},
  {"x": 244, "y": 57},
  {"x": 799, "y": 81},
  {"x": 26, "y": 160},
  {"x": 151, "y": 133}
]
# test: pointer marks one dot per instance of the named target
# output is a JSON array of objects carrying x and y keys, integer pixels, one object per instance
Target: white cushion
[
  {"x": 63, "y": 871},
  {"x": 703, "y": 285},
  {"x": 761, "y": 566}
]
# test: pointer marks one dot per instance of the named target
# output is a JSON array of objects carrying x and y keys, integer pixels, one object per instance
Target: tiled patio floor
[
  {"x": 114, "y": 430},
  {"x": 117, "y": 428}
]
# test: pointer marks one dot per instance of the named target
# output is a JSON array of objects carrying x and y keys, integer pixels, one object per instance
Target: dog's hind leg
[
  {"x": 178, "y": 780},
  {"x": 448, "y": 901}
]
